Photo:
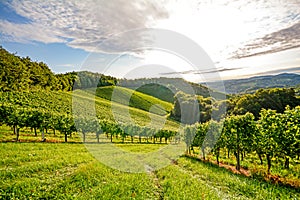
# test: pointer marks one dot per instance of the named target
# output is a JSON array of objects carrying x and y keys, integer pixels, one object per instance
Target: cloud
[
  {"x": 27, "y": 33},
  {"x": 284, "y": 39},
  {"x": 207, "y": 71},
  {"x": 81, "y": 24},
  {"x": 65, "y": 65},
  {"x": 88, "y": 24},
  {"x": 280, "y": 71},
  {"x": 259, "y": 19}
]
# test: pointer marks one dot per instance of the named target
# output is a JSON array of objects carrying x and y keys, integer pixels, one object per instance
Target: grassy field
[
  {"x": 68, "y": 171},
  {"x": 134, "y": 99},
  {"x": 86, "y": 102},
  {"x": 104, "y": 110}
]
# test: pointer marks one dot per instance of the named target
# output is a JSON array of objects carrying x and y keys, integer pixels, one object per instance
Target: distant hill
[
  {"x": 166, "y": 88},
  {"x": 250, "y": 85}
]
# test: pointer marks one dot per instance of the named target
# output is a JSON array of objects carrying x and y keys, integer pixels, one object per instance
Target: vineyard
[
  {"x": 48, "y": 133},
  {"x": 32, "y": 110},
  {"x": 136, "y": 99},
  {"x": 272, "y": 140}
]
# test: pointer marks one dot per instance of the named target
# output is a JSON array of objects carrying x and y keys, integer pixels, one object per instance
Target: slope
[
  {"x": 166, "y": 88},
  {"x": 85, "y": 102},
  {"x": 134, "y": 99}
]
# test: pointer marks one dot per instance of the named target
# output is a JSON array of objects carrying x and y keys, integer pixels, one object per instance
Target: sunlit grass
[{"x": 69, "y": 171}]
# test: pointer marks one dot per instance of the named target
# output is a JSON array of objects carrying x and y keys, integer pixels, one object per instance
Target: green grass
[
  {"x": 64, "y": 171},
  {"x": 140, "y": 148},
  {"x": 252, "y": 163},
  {"x": 134, "y": 99},
  {"x": 158, "y": 91},
  {"x": 108, "y": 110},
  {"x": 230, "y": 186},
  {"x": 86, "y": 101},
  {"x": 68, "y": 171}
]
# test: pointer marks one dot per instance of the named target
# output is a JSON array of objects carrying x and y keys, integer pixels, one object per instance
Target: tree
[
  {"x": 190, "y": 109},
  {"x": 288, "y": 139},
  {"x": 238, "y": 132},
  {"x": 270, "y": 127},
  {"x": 274, "y": 99},
  {"x": 201, "y": 130},
  {"x": 65, "y": 125},
  {"x": 16, "y": 118},
  {"x": 211, "y": 140},
  {"x": 189, "y": 134},
  {"x": 87, "y": 125}
]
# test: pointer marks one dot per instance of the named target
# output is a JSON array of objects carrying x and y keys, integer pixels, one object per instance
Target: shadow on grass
[{"x": 263, "y": 178}]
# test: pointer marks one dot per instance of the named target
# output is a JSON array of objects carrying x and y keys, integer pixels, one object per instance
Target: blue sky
[{"x": 242, "y": 37}]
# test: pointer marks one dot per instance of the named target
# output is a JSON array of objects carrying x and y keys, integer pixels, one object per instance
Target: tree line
[
  {"x": 42, "y": 120},
  {"x": 23, "y": 74},
  {"x": 273, "y": 98}
]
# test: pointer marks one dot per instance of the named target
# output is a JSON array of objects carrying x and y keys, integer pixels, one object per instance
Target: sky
[{"x": 241, "y": 38}]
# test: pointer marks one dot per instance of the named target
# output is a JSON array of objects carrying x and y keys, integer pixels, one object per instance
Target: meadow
[{"x": 38, "y": 170}]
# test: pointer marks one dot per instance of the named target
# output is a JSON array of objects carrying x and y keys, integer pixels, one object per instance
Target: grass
[
  {"x": 26, "y": 135},
  {"x": 64, "y": 171},
  {"x": 158, "y": 91},
  {"x": 69, "y": 171},
  {"x": 105, "y": 109},
  {"x": 140, "y": 148},
  {"x": 134, "y": 99},
  {"x": 251, "y": 163},
  {"x": 85, "y": 102},
  {"x": 235, "y": 186}
]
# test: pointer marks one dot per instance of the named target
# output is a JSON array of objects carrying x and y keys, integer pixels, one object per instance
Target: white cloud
[
  {"x": 81, "y": 24},
  {"x": 221, "y": 27},
  {"x": 28, "y": 32},
  {"x": 284, "y": 39},
  {"x": 65, "y": 65}
]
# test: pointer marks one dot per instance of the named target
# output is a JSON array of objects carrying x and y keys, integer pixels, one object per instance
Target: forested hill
[
  {"x": 21, "y": 74},
  {"x": 165, "y": 88},
  {"x": 250, "y": 85}
]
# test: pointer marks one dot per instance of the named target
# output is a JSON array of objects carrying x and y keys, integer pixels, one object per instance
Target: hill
[
  {"x": 23, "y": 74},
  {"x": 250, "y": 85},
  {"x": 166, "y": 88},
  {"x": 54, "y": 102},
  {"x": 134, "y": 99}
]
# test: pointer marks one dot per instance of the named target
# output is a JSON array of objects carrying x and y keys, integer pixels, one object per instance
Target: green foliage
[
  {"x": 23, "y": 74},
  {"x": 165, "y": 88},
  {"x": 238, "y": 133},
  {"x": 274, "y": 99},
  {"x": 32, "y": 109},
  {"x": 190, "y": 109}
]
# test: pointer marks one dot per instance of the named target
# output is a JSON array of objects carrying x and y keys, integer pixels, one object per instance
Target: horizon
[{"x": 242, "y": 38}]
